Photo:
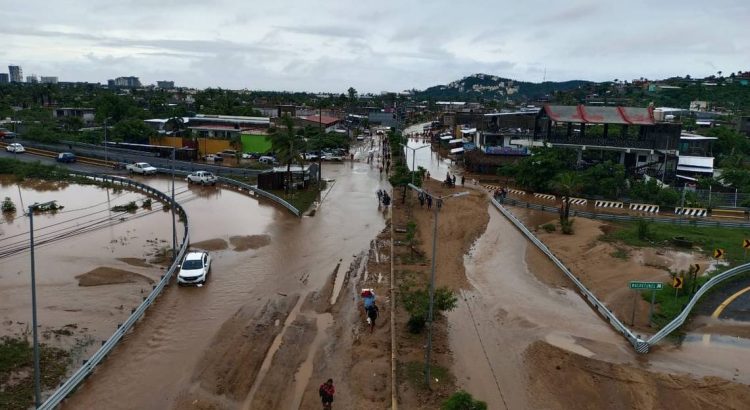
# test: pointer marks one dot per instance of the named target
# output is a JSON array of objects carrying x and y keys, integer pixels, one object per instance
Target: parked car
[
  {"x": 7, "y": 135},
  {"x": 311, "y": 156},
  {"x": 67, "y": 157},
  {"x": 15, "y": 147},
  {"x": 332, "y": 156},
  {"x": 142, "y": 168},
  {"x": 250, "y": 155},
  {"x": 213, "y": 158},
  {"x": 267, "y": 160},
  {"x": 194, "y": 269},
  {"x": 229, "y": 153},
  {"x": 202, "y": 177}
]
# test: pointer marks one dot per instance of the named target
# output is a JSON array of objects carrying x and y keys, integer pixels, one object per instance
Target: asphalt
[
  {"x": 45, "y": 160},
  {"x": 739, "y": 309}
]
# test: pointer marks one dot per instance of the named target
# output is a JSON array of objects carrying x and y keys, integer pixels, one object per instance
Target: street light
[
  {"x": 439, "y": 201},
  {"x": 413, "y": 158},
  {"x": 174, "y": 227},
  {"x": 37, "y": 389}
]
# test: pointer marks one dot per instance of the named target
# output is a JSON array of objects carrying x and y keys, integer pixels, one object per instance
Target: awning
[
  {"x": 456, "y": 141},
  {"x": 457, "y": 150},
  {"x": 469, "y": 131},
  {"x": 446, "y": 137},
  {"x": 695, "y": 169},
  {"x": 685, "y": 177}
]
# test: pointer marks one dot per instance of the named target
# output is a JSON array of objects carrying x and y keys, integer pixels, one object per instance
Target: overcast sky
[{"x": 329, "y": 45}]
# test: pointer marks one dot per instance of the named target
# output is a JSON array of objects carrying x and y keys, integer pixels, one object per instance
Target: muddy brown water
[
  {"x": 425, "y": 157},
  {"x": 157, "y": 360}
]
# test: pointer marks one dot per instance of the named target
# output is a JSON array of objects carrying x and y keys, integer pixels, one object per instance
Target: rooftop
[
  {"x": 600, "y": 115},
  {"x": 325, "y": 120}
]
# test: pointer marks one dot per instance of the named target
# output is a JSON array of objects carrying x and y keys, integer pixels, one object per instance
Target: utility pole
[
  {"x": 37, "y": 372},
  {"x": 413, "y": 158},
  {"x": 174, "y": 227},
  {"x": 438, "y": 205},
  {"x": 106, "y": 157}
]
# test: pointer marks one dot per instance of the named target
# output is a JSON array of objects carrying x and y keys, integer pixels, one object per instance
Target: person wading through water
[{"x": 326, "y": 393}]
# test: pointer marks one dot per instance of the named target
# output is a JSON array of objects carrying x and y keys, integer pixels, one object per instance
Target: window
[{"x": 642, "y": 158}]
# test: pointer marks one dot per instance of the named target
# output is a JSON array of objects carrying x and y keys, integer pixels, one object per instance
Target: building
[
  {"x": 695, "y": 158},
  {"x": 125, "y": 82},
  {"x": 165, "y": 85},
  {"x": 302, "y": 177},
  {"x": 630, "y": 136},
  {"x": 48, "y": 80},
  {"x": 31, "y": 79},
  {"x": 16, "y": 74},
  {"x": 4, "y": 78},
  {"x": 210, "y": 134},
  {"x": 383, "y": 117},
  {"x": 329, "y": 123},
  {"x": 87, "y": 115}
]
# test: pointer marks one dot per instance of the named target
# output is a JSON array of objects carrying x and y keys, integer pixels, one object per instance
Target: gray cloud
[{"x": 388, "y": 45}]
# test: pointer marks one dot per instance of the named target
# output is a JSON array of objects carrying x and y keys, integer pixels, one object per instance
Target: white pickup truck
[
  {"x": 142, "y": 168},
  {"x": 202, "y": 177}
]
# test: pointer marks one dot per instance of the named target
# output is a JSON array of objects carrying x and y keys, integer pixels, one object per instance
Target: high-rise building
[
  {"x": 48, "y": 80},
  {"x": 128, "y": 82},
  {"x": 16, "y": 74},
  {"x": 165, "y": 84},
  {"x": 31, "y": 79},
  {"x": 4, "y": 79}
]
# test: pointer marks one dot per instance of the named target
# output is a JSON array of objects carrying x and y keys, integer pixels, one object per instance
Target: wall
[{"x": 255, "y": 143}]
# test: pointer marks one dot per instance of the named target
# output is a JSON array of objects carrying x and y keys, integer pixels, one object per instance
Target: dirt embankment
[
  {"x": 604, "y": 267},
  {"x": 564, "y": 380},
  {"x": 243, "y": 243},
  {"x": 216, "y": 244},
  {"x": 461, "y": 221},
  {"x": 104, "y": 275},
  {"x": 227, "y": 371}
]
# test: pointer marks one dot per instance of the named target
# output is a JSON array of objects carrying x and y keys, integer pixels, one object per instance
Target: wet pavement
[
  {"x": 157, "y": 360},
  {"x": 426, "y": 157}
]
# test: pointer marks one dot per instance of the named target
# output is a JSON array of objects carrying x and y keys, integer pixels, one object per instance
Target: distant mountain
[{"x": 490, "y": 87}]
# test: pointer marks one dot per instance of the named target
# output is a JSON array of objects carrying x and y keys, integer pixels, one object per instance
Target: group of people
[
  {"x": 426, "y": 197},
  {"x": 450, "y": 180},
  {"x": 501, "y": 193},
  {"x": 383, "y": 197}
]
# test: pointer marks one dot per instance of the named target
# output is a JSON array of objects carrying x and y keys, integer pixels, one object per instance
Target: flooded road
[
  {"x": 158, "y": 359},
  {"x": 426, "y": 157},
  {"x": 85, "y": 235}
]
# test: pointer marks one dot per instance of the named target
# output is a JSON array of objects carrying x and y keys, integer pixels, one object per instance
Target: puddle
[{"x": 305, "y": 371}]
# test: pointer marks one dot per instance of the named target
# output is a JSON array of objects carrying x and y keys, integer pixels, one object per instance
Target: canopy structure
[
  {"x": 457, "y": 150},
  {"x": 600, "y": 115},
  {"x": 446, "y": 137},
  {"x": 456, "y": 141}
]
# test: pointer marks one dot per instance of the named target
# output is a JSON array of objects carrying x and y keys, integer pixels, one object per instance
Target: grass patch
[
  {"x": 413, "y": 372},
  {"x": 17, "y": 371},
  {"x": 706, "y": 238},
  {"x": 301, "y": 199}
]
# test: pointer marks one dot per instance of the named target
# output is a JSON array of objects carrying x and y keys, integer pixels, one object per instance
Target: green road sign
[{"x": 646, "y": 285}]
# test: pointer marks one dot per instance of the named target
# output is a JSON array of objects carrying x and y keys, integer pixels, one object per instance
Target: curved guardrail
[
  {"x": 233, "y": 183},
  {"x": 640, "y": 345},
  {"x": 615, "y": 217},
  {"x": 682, "y": 317},
  {"x": 89, "y": 366}
]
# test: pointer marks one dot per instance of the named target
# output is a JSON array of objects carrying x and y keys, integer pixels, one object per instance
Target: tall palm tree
[
  {"x": 566, "y": 185},
  {"x": 287, "y": 145}
]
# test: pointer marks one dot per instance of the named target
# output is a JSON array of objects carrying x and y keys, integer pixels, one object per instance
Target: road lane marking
[{"x": 727, "y": 302}]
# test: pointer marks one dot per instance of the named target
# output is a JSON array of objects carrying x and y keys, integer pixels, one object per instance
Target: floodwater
[
  {"x": 508, "y": 309},
  {"x": 157, "y": 360},
  {"x": 84, "y": 235},
  {"x": 426, "y": 157}
]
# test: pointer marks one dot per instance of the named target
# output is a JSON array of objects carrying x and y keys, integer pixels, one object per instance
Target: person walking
[
  {"x": 326, "y": 392},
  {"x": 454, "y": 180},
  {"x": 420, "y": 196},
  {"x": 372, "y": 315},
  {"x": 429, "y": 201},
  {"x": 462, "y": 180}
]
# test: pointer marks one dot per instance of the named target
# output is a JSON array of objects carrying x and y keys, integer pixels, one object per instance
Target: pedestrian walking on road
[
  {"x": 429, "y": 201},
  {"x": 420, "y": 196},
  {"x": 326, "y": 393},
  {"x": 372, "y": 315},
  {"x": 454, "y": 179},
  {"x": 462, "y": 180}
]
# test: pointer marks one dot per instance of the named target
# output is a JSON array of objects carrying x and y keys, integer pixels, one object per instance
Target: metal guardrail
[
  {"x": 640, "y": 345},
  {"x": 241, "y": 186},
  {"x": 682, "y": 317},
  {"x": 90, "y": 365},
  {"x": 625, "y": 218}
]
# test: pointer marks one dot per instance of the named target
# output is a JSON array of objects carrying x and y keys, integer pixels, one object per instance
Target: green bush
[
  {"x": 129, "y": 207},
  {"x": 644, "y": 229},
  {"x": 566, "y": 226},
  {"x": 462, "y": 400},
  {"x": 549, "y": 228},
  {"x": 417, "y": 304},
  {"x": 8, "y": 206}
]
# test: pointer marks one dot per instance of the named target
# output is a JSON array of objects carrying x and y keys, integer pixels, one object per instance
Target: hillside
[{"x": 490, "y": 87}]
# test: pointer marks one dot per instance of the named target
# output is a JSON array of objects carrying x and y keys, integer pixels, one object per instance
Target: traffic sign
[
  {"x": 696, "y": 267},
  {"x": 677, "y": 282},
  {"x": 746, "y": 243},
  {"x": 646, "y": 285},
  {"x": 718, "y": 253}
]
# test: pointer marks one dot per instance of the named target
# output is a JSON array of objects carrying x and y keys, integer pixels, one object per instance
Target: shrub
[
  {"x": 567, "y": 226},
  {"x": 549, "y": 228},
  {"x": 146, "y": 203},
  {"x": 129, "y": 207},
  {"x": 417, "y": 303},
  {"x": 462, "y": 400},
  {"x": 644, "y": 229},
  {"x": 8, "y": 206}
]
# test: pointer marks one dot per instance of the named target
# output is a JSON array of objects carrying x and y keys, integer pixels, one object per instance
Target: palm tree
[
  {"x": 287, "y": 145},
  {"x": 566, "y": 185}
]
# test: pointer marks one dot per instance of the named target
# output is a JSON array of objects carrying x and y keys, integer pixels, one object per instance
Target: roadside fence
[{"x": 90, "y": 365}]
